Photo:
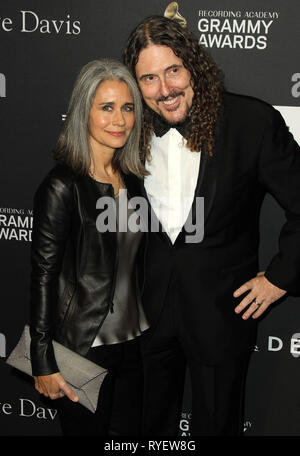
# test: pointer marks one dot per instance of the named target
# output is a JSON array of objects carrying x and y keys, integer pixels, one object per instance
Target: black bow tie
[{"x": 161, "y": 127}]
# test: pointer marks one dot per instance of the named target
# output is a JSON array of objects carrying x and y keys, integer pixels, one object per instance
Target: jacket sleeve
[
  {"x": 51, "y": 227},
  {"x": 279, "y": 172}
]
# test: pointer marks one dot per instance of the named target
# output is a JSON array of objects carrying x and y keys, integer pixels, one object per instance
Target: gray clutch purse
[{"x": 81, "y": 374}]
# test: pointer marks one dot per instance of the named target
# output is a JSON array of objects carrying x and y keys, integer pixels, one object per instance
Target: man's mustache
[{"x": 171, "y": 94}]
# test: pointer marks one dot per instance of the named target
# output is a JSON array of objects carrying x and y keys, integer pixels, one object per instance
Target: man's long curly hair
[{"x": 206, "y": 79}]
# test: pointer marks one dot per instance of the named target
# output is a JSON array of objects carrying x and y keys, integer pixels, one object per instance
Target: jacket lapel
[
  {"x": 207, "y": 181},
  {"x": 135, "y": 188}
]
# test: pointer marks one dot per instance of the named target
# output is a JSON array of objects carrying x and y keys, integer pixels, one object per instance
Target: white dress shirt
[{"x": 172, "y": 181}]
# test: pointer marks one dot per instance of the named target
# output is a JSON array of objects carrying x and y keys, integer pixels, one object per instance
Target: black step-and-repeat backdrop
[{"x": 42, "y": 47}]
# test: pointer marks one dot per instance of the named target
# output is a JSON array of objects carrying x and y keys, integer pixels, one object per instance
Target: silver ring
[{"x": 257, "y": 303}]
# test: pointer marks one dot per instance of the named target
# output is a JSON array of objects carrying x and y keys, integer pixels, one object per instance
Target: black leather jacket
[{"x": 73, "y": 266}]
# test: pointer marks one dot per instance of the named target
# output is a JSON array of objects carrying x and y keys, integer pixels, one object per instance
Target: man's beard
[{"x": 186, "y": 114}]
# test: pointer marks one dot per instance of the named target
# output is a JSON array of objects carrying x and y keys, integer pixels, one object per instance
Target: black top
[{"x": 127, "y": 320}]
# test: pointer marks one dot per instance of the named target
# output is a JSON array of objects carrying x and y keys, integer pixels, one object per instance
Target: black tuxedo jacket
[{"x": 254, "y": 154}]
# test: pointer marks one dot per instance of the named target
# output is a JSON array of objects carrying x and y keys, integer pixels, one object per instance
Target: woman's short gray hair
[{"x": 73, "y": 147}]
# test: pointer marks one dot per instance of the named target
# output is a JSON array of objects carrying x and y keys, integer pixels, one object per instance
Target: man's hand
[
  {"x": 261, "y": 294},
  {"x": 54, "y": 386}
]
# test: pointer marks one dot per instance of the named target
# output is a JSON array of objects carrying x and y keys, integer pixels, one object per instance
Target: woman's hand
[{"x": 54, "y": 386}]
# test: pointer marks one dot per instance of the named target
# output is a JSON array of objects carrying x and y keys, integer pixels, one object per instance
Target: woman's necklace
[{"x": 95, "y": 176}]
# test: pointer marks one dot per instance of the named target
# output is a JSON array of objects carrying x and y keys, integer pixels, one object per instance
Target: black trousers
[
  {"x": 217, "y": 391},
  {"x": 120, "y": 399}
]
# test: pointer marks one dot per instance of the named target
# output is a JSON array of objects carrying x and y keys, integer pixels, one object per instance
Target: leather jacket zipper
[
  {"x": 112, "y": 292},
  {"x": 145, "y": 254}
]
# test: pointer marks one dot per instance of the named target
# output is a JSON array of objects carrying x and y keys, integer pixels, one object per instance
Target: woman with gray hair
[{"x": 84, "y": 282}]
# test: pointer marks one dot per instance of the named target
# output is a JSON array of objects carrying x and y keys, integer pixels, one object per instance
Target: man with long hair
[{"x": 203, "y": 295}]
